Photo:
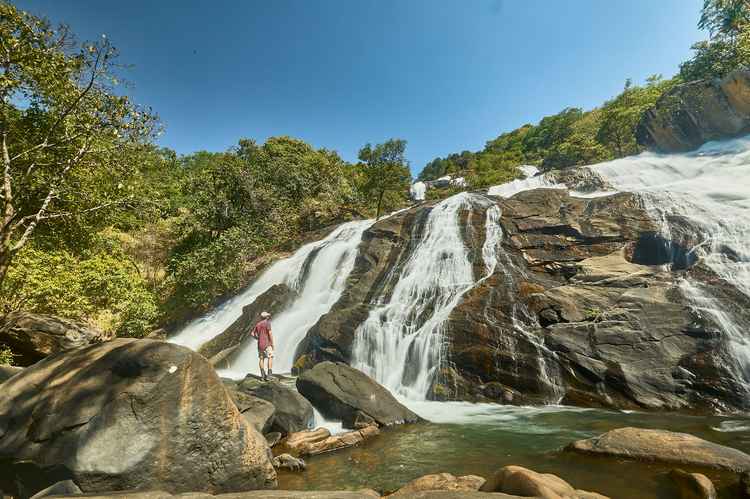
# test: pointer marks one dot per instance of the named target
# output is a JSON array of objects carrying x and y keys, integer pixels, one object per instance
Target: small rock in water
[
  {"x": 693, "y": 485},
  {"x": 289, "y": 462}
]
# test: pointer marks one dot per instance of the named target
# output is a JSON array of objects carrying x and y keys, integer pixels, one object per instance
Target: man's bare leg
[{"x": 262, "y": 372}]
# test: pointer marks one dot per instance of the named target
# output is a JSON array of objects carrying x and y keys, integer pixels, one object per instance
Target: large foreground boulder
[
  {"x": 693, "y": 113},
  {"x": 7, "y": 372},
  {"x": 127, "y": 414},
  {"x": 343, "y": 393},
  {"x": 293, "y": 412},
  {"x": 663, "y": 446},
  {"x": 33, "y": 337}
]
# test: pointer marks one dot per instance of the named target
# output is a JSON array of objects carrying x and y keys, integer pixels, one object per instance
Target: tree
[
  {"x": 728, "y": 47},
  {"x": 385, "y": 171},
  {"x": 67, "y": 138}
]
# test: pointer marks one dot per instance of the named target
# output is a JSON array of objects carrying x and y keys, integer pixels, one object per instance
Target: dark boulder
[
  {"x": 33, "y": 337},
  {"x": 123, "y": 415},
  {"x": 293, "y": 412},
  {"x": 256, "y": 411},
  {"x": 691, "y": 114},
  {"x": 343, "y": 393}
]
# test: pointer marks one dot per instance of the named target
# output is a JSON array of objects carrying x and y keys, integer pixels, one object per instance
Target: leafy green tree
[
  {"x": 728, "y": 47},
  {"x": 386, "y": 173},
  {"x": 620, "y": 116},
  {"x": 65, "y": 134}
]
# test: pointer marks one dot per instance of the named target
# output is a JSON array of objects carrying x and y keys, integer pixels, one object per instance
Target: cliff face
[
  {"x": 580, "y": 308},
  {"x": 696, "y": 112}
]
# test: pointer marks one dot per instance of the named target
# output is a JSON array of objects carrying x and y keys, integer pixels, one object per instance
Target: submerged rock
[
  {"x": 33, "y": 337},
  {"x": 663, "y": 446},
  {"x": 127, "y": 414},
  {"x": 293, "y": 411},
  {"x": 693, "y": 485},
  {"x": 343, "y": 393},
  {"x": 440, "y": 481},
  {"x": 694, "y": 113},
  {"x": 527, "y": 483},
  {"x": 289, "y": 462}
]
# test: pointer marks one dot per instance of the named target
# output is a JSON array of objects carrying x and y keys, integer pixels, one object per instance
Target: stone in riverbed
[
  {"x": 289, "y": 462},
  {"x": 663, "y": 446},
  {"x": 65, "y": 487},
  {"x": 33, "y": 337},
  {"x": 127, "y": 414},
  {"x": 343, "y": 393},
  {"x": 293, "y": 412},
  {"x": 693, "y": 485},
  {"x": 440, "y": 481},
  {"x": 528, "y": 483},
  {"x": 319, "y": 441}
]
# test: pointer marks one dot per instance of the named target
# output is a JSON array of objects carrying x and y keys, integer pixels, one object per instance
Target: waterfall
[
  {"x": 400, "y": 343},
  {"x": 531, "y": 180},
  {"x": 709, "y": 187},
  {"x": 325, "y": 265},
  {"x": 322, "y": 287}
]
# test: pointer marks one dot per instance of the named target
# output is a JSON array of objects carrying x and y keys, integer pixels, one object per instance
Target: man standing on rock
[{"x": 262, "y": 332}]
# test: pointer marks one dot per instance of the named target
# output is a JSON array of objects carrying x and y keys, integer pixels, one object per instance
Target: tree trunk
[{"x": 380, "y": 203}]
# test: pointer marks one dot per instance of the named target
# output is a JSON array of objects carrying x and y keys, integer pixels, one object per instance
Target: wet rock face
[
  {"x": 694, "y": 113},
  {"x": 127, "y": 414},
  {"x": 587, "y": 306},
  {"x": 32, "y": 337}
]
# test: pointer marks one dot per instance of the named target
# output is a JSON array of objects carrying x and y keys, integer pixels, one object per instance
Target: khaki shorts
[{"x": 267, "y": 353}]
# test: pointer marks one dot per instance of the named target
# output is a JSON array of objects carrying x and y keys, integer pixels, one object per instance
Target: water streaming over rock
[
  {"x": 324, "y": 264},
  {"x": 710, "y": 188},
  {"x": 400, "y": 343}
]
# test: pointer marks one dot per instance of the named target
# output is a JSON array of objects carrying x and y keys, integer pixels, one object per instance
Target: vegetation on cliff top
[{"x": 575, "y": 137}]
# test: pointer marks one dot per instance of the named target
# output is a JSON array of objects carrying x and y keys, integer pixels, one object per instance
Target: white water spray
[
  {"x": 400, "y": 343},
  {"x": 332, "y": 260}
]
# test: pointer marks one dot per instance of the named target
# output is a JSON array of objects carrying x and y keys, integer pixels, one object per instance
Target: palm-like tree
[{"x": 724, "y": 17}]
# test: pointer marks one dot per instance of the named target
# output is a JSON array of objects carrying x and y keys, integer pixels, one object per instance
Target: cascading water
[
  {"x": 400, "y": 343},
  {"x": 328, "y": 263},
  {"x": 711, "y": 188},
  {"x": 322, "y": 287}
]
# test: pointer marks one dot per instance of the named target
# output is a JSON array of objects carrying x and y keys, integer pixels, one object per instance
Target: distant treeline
[{"x": 577, "y": 137}]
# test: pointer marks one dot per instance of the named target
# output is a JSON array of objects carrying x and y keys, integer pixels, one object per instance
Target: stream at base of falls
[{"x": 478, "y": 439}]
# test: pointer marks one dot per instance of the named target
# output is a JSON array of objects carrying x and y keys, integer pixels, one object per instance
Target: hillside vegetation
[{"x": 576, "y": 137}]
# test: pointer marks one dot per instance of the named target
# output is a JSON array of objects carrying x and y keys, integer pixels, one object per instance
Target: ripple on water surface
[{"x": 464, "y": 438}]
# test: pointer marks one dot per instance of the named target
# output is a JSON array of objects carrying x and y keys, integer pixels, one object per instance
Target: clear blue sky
[{"x": 446, "y": 75}]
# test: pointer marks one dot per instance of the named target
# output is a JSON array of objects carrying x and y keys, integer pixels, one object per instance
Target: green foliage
[
  {"x": 385, "y": 174},
  {"x": 6, "y": 355},
  {"x": 728, "y": 48},
  {"x": 68, "y": 137},
  {"x": 104, "y": 288}
]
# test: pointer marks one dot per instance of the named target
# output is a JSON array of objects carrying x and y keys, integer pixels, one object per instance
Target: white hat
[{"x": 265, "y": 315}]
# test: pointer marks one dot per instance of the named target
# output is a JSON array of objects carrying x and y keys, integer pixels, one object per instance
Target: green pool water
[{"x": 478, "y": 439}]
